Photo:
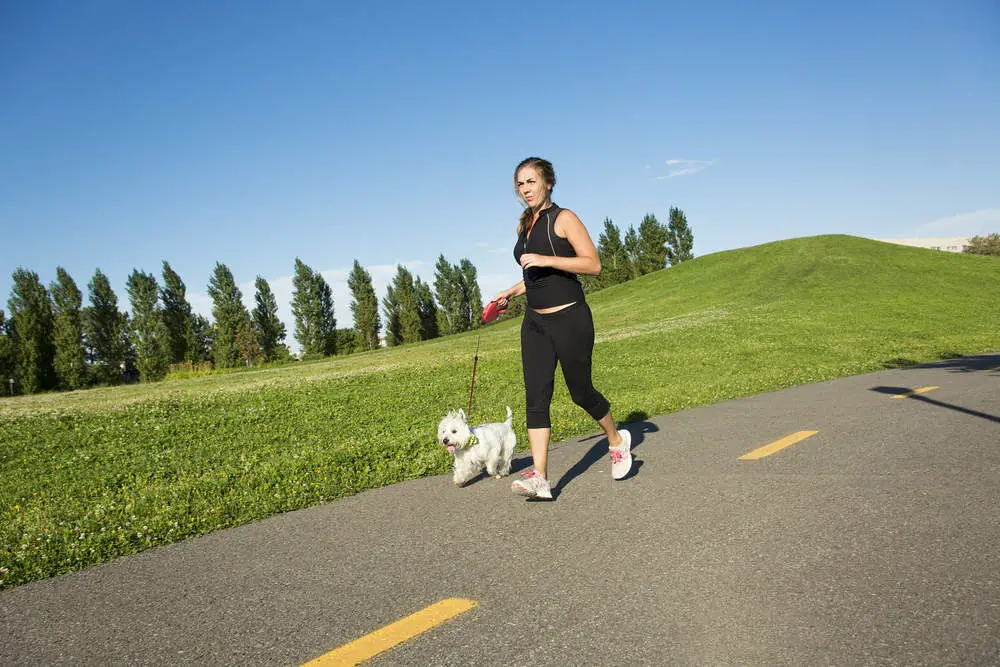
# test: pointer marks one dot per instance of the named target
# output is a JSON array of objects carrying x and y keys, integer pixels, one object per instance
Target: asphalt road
[{"x": 873, "y": 541}]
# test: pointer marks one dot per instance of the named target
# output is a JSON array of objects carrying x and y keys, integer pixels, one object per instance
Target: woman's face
[{"x": 530, "y": 185}]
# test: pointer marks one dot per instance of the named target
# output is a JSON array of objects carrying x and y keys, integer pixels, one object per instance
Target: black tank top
[{"x": 547, "y": 287}]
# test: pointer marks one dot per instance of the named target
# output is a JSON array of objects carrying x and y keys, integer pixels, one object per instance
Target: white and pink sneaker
[
  {"x": 621, "y": 456},
  {"x": 532, "y": 485}
]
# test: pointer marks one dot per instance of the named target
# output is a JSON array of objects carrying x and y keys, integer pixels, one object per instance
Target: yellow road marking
[
  {"x": 372, "y": 644},
  {"x": 777, "y": 445},
  {"x": 922, "y": 390}
]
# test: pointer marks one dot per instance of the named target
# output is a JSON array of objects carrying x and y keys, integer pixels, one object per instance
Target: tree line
[{"x": 51, "y": 341}]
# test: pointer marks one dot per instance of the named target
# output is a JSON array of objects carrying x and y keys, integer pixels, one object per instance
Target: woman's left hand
[{"x": 529, "y": 260}]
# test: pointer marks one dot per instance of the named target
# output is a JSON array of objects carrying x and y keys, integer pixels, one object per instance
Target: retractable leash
[{"x": 490, "y": 313}]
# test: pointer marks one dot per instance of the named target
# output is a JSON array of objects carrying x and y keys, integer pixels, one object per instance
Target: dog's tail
[{"x": 510, "y": 416}]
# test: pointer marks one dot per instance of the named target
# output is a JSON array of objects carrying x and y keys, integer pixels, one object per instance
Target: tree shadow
[
  {"x": 905, "y": 392},
  {"x": 951, "y": 361}
]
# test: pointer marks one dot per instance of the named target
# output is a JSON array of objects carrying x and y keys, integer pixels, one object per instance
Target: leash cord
[{"x": 475, "y": 362}]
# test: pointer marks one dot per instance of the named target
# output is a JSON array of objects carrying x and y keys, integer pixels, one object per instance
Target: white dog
[{"x": 487, "y": 445}]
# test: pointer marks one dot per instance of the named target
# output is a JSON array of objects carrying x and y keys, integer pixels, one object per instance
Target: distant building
[{"x": 946, "y": 243}]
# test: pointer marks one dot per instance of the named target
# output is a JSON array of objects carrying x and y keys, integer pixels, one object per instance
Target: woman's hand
[{"x": 529, "y": 260}]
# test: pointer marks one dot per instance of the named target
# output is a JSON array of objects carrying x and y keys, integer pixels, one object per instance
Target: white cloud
[
  {"x": 680, "y": 167},
  {"x": 976, "y": 223}
]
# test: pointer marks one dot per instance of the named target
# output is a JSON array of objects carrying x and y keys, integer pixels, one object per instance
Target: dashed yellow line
[
  {"x": 922, "y": 390},
  {"x": 777, "y": 445},
  {"x": 372, "y": 644}
]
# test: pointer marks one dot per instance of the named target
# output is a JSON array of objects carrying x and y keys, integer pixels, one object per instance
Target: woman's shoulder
[{"x": 565, "y": 219}]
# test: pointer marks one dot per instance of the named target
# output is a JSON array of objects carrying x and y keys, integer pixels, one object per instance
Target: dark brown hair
[{"x": 548, "y": 174}]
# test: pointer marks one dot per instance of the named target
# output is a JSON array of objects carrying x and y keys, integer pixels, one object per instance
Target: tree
[
  {"x": 458, "y": 294},
  {"x": 148, "y": 330},
  {"x": 350, "y": 341},
  {"x": 393, "y": 320},
  {"x": 984, "y": 245},
  {"x": 449, "y": 295},
  {"x": 680, "y": 238},
  {"x": 409, "y": 314},
  {"x": 248, "y": 343},
  {"x": 312, "y": 306},
  {"x": 615, "y": 265},
  {"x": 201, "y": 341},
  {"x": 270, "y": 330},
  {"x": 31, "y": 324},
  {"x": 105, "y": 331},
  {"x": 70, "y": 358},
  {"x": 471, "y": 297},
  {"x": 229, "y": 313},
  {"x": 176, "y": 315},
  {"x": 327, "y": 342},
  {"x": 8, "y": 361},
  {"x": 652, "y": 249},
  {"x": 426, "y": 309},
  {"x": 364, "y": 306},
  {"x": 632, "y": 250}
]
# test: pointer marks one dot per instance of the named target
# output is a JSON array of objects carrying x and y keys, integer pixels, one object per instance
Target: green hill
[{"x": 89, "y": 476}]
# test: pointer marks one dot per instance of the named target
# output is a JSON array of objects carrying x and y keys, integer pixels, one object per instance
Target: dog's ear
[{"x": 461, "y": 413}]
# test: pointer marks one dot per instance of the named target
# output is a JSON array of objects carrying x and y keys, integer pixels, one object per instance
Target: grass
[{"x": 95, "y": 475}]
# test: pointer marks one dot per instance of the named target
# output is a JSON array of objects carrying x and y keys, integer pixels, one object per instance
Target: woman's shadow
[{"x": 637, "y": 425}]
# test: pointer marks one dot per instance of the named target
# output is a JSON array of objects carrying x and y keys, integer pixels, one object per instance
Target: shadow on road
[
  {"x": 635, "y": 423},
  {"x": 897, "y": 391},
  {"x": 952, "y": 362}
]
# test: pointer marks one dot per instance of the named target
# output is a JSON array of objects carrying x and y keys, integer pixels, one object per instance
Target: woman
[{"x": 552, "y": 247}]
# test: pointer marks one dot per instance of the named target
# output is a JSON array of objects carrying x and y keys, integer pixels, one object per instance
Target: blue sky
[{"x": 253, "y": 133}]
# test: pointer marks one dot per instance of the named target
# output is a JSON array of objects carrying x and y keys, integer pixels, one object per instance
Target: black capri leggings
[{"x": 566, "y": 336}]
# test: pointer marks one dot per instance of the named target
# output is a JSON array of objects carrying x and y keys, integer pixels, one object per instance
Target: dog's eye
[{"x": 454, "y": 431}]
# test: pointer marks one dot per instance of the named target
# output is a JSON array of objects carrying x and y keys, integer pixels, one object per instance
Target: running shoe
[
  {"x": 621, "y": 456},
  {"x": 532, "y": 485}
]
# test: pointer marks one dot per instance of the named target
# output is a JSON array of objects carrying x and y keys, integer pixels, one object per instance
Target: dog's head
[{"x": 453, "y": 431}]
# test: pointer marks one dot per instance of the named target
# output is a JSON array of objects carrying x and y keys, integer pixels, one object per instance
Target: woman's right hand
[{"x": 501, "y": 299}]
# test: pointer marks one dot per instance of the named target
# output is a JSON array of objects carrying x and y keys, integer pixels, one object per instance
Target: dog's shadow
[{"x": 637, "y": 424}]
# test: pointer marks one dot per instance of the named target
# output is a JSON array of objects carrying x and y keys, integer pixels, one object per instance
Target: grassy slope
[{"x": 88, "y": 476}]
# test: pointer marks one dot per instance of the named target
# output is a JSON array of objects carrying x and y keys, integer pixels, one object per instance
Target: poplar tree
[
  {"x": 200, "y": 339},
  {"x": 426, "y": 309},
  {"x": 148, "y": 331},
  {"x": 472, "y": 298},
  {"x": 680, "y": 238},
  {"x": 327, "y": 342},
  {"x": 364, "y": 306},
  {"x": 270, "y": 330},
  {"x": 393, "y": 320},
  {"x": 70, "y": 358},
  {"x": 248, "y": 343},
  {"x": 409, "y": 313},
  {"x": 31, "y": 324},
  {"x": 615, "y": 265},
  {"x": 105, "y": 331},
  {"x": 632, "y": 250},
  {"x": 303, "y": 306},
  {"x": 312, "y": 306},
  {"x": 229, "y": 313},
  {"x": 652, "y": 249},
  {"x": 176, "y": 315},
  {"x": 449, "y": 296}
]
